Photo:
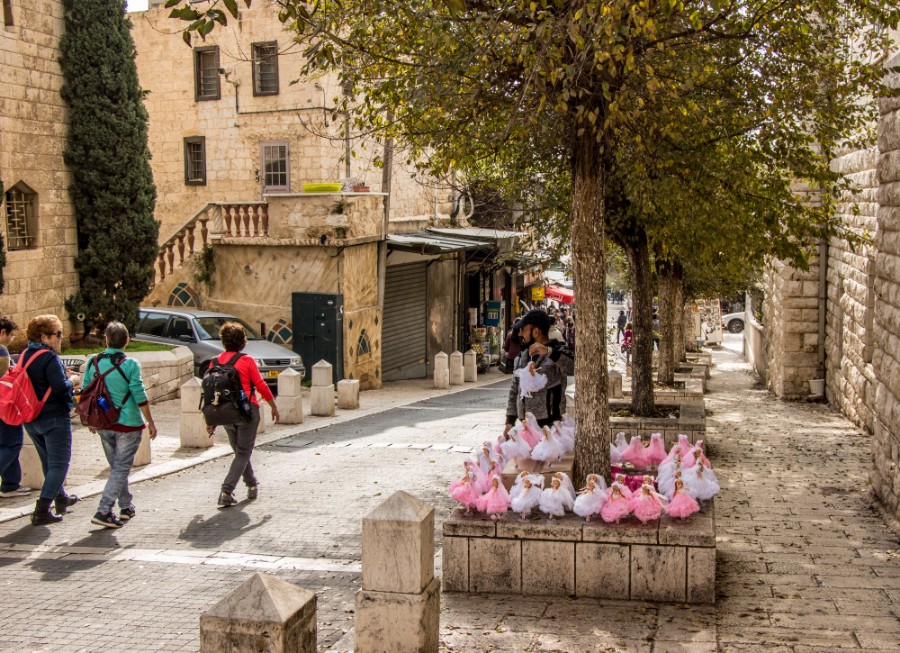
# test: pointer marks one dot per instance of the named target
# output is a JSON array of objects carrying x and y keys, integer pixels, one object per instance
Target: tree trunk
[
  {"x": 668, "y": 316},
  {"x": 589, "y": 260},
  {"x": 638, "y": 251},
  {"x": 679, "y": 313}
]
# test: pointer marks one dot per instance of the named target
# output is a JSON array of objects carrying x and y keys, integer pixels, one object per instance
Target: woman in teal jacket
[{"x": 121, "y": 441}]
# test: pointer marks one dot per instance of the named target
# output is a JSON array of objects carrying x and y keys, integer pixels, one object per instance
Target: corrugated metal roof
[{"x": 425, "y": 242}]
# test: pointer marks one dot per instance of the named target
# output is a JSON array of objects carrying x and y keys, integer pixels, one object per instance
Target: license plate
[{"x": 274, "y": 373}]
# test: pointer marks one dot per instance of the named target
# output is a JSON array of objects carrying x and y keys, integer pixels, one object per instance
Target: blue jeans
[
  {"x": 52, "y": 437},
  {"x": 120, "y": 449},
  {"x": 11, "y": 439}
]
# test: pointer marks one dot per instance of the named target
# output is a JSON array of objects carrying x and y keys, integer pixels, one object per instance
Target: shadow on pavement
[{"x": 227, "y": 524}]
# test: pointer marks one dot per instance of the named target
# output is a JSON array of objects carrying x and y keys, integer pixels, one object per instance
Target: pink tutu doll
[
  {"x": 464, "y": 492},
  {"x": 682, "y": 504},
  {"x": 656, "y": 452},
  {"x": 496, "y": 501},
  {"x": 616, "y": 505},
  {"x": 635, "y": 453},
  {"x": 647, "y": 505}
]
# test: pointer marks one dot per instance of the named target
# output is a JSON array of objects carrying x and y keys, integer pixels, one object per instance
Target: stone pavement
[{"x": 805, "y": 563}]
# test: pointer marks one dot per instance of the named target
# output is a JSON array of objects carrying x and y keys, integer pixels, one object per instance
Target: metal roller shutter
[{"x": 403, "y": 328}]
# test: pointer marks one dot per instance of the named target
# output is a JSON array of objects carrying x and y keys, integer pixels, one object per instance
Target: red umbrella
[{"x": 560, "y": 294}]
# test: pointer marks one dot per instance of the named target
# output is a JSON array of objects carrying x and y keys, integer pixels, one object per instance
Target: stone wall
[
  {"x": 235, "y": 125},
  {"x": 33, "y": 124},
  {"x": 885, "y": 473},
  {"x": 849, "y": 336}
]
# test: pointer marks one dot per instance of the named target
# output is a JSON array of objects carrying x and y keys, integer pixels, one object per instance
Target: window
[
  {"x": 195, "y": 161},
  {"x": 179, "y": 326},
  {"x": 154, "y": 324},
  {"x": 265, "y": 68},
  {"x": 275, "y": 163},
  {"x": 869, "y": 315},
  {"x": 7, "y": 14},
  {"x": 206, "y": 73},
  {"x": 21, "y": 218}
]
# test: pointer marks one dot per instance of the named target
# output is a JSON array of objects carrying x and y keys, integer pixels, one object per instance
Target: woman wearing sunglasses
[{"x": 51, "y": 431}]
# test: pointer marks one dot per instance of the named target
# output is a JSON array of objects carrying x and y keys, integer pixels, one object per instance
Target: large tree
[
  {"x": 112, "y": 188},
  {"x": 590, "y": 87}
]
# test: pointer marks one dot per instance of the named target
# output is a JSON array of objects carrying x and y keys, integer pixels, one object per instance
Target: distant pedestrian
[
  {"x": 11, "y": 437},
  {"x": 242, "y": 435},
  {"x": 555, "y": 332},
  {"x": 621, "y": 321},
  {"x": 656, "y": 333},
  {"x": 570, "y": 333},
  {"x": 512, "y": 347},
  {"x": 627, "y": 343},
  {"x": 121, "y": 441},
  {"x": 51, "y": 431}
]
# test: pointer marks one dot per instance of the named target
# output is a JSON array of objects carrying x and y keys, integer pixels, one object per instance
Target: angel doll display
[
  {"x": 528, "y": 498},
  {"x": 496, "y": 501},
  {"x": 530, "y": 380},
  {"x": 682, "y": 504},
  {"x": 590, "y": 500},
  {"x": 549, "y": 448},
  {"x": 555, "y": 499}
]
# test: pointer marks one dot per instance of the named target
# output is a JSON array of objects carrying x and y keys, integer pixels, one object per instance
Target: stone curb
[{"x": 311, "y": 423}]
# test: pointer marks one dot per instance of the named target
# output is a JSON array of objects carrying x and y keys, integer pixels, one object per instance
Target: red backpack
[{"x": 18, "y": 402}]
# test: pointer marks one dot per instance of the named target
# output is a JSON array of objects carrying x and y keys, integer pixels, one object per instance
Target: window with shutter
[
  {"x": 265, "y": 68},
  {"x": 206, "y": 74}
]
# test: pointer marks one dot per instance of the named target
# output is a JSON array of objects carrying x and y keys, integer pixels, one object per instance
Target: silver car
[{"x": 199, "y": 332}]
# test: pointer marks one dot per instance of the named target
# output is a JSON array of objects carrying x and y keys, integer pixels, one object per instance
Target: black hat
[
  {"x": 517, "y": 324},
  {"x": 536, "y": 318}
]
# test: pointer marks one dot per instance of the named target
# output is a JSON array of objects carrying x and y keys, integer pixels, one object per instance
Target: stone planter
[
  {"x": 668, "y": 560},
  {"x": 691, "y": 421},
  {"x": 685, "y": 391}
]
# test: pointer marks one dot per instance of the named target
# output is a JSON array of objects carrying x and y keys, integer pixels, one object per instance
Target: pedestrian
[
  {"x": 570, "y": 334},
  {"x": 555, "y": 332},
  {"x": 11, "y": 436},
  {"x": 242, "y": 435},
  {"x": 512, "y": 347},
  {"x": 121, "y": 441},
  {"x": 627, "y": 342},
  {"x": 552, "y": 359},
  {"x": 51, "y": 430},
  {"x": 656, "y": 330},
  {"x": 621, "y": 321}
]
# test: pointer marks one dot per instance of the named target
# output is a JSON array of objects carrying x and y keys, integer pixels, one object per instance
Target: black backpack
[
  {"x": 95, "y": 406},
  {"x": 223, "y": 401}
]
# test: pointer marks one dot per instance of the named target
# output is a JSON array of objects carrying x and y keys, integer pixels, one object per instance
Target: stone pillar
[
  {"x": 142, "y": 456},
  {"x": 615, "y": 384},
  {"x": 32, "y": 474},
  {"x": 264, "y": 614},
  {"x": 290, "y": 397},
  {"x": 321, "y": 399},
  {"x": 191, "y": 425},
  {"x": 264, "y": 416},
  {"x": 456, "y": 368},
  {"x": 470, "y": 366},
  {"x": 441, "y": 371},
  {"x": 348, "y": 394},
  {"x": 398, "y": 607}
]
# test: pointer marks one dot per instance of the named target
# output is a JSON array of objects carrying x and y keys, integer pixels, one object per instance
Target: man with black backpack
[{"x": 124, "y": 396}]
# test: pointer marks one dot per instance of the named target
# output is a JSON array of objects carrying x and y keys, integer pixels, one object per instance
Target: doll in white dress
[
  {"x": 590, "y": 500},
  {"x": 555, "y": 499},
  {"x": 528, "y": 497},
  {"x": 549, "y": 448},
  {"x": 530, "y": 380},
  {"x": 515, "y": 448},
  {"x": 566, "y": 484}
]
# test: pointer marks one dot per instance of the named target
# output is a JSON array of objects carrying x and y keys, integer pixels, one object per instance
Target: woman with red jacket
[{"x": 242, "y": 435}]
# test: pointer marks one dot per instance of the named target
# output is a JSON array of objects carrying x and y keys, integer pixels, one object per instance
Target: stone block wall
[
  {"x": 849, "y": 333},
  {"x": 791, "y": 318},
  {"x": 33, "y": 126},
  {"x": 885, "y": 471}
]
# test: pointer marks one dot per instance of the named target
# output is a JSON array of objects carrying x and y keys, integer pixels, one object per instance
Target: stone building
[
  {"x": 236, "y": 133},
  {"x": 854, "y": 302},
  {"x": 40, "y": 238}
]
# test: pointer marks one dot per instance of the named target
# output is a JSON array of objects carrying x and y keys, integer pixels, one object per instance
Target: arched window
[
  {"x": 7, "y": 14},
  {"x": 21, "y": 217}
]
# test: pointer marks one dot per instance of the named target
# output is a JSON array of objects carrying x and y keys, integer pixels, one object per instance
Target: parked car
[
  {"x": 199, "y": 332},
  {"x": 733, "y": 322}
]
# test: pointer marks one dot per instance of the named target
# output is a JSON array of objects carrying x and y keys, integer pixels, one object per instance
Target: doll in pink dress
[
  {"x": 555, "y": 499},
  {"x": 463, "y": 491},
  {"x": 684, "y": 445},
  {"x": 656, "y": 452},
  {"x": 530, "y": 380},
  {"x": 623, "y": 486},
  {"x": 647, "y": 505},
  {"x": 635, "y": 453},
  {"x": 496, "y": 501},
  {"x": 590, "y": 500},
  {"x": 616, "y": 505},
  {"x": 682, "y": 504},
  {"x": 695, "y": 454},
  {"x": 529, "y": 496},
  {"x": 531, "y": 432}
]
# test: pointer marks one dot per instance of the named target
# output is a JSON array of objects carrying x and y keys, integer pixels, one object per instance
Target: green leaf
[{"x": 231, "y": 6}]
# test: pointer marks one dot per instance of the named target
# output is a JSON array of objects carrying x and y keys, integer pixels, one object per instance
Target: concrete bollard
[
  {"x": 441, "y": 371},
  {"x": 290, "y": 397},
  {"x": 191, "y": 424},
  {"x": 30, "y": 462},
  {"x": 456, "y": 369},
  {"x": 470, "y": 366},
  {"x": 263, "y": 614},
  {"x": 142, "y": 455},
  {"x": 321, "y": 396},
  {"x": 615, "y": 385},
  {"x": 348, "y": 394},
  {"x": 265, "y": 414},
  {"x": 398, "y": 607}
]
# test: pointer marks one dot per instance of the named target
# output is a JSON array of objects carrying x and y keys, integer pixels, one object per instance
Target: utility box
[{"x": 318, "y": 321}]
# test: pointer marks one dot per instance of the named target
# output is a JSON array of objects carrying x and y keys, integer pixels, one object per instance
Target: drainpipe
[{"x": 823, "y": 305}]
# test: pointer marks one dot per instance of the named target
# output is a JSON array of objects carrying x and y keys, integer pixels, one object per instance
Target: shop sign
[{"x": 537, "y": 293}]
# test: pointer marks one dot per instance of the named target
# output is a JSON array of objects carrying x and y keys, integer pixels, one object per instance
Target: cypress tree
[
  {"x": 2, "y": 249},
  {"x": 112, "y": 188}
]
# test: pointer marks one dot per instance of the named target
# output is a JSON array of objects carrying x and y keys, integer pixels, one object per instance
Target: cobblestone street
[{"x": 805, "y": 562}]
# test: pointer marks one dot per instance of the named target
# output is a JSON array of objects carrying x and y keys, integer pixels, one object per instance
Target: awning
[
  {"x": 428, "y": 243},
  {"x": 560, "y": 294},
  {"x": 502, "y": 239}
]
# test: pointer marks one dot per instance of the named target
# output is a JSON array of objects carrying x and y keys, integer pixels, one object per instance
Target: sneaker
[
  {"x": 226, "y": 499},
  {"x": 252, "y": 492},
  {"x": 18, "y": 492},
  {"x": 108, "y": 520},
  {"x": 127, "y": 513},
  {"x": 64, "y": 502}
]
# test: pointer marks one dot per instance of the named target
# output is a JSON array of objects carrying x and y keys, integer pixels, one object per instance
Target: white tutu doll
[
  {"x": 555, "y": 499},
  {"x": 565, "y": 436},
  {"x": 590, "y": 500},
  {"x": 549, "y": 448},
  {"x": 566, "y": 483},
  {"x": 620, "y": 443},
  {"x": 701, "y": 481},
  {"x": 615, "y": 456},
  {"x": 536, "y": 479},
  {"x": 515, "y": 448},
  {"x": 528, "y": 497},
  {"x": 530, "y": 380},
  {"x": 599, "y": 480}
]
